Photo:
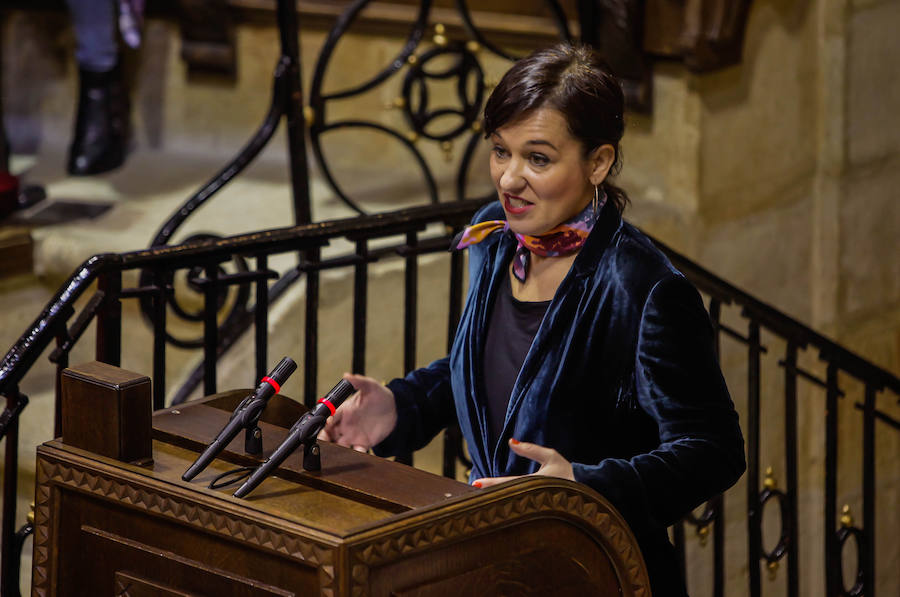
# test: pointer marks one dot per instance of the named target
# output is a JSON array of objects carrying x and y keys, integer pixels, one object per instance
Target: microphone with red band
[
  {"x": 304, "y": 430},
  {"x": 245, "y": 416},
  {"x": 272, "y": 383}
]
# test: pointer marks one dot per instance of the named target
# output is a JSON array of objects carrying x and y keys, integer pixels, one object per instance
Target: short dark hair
[{"x": 574, "y": 80}]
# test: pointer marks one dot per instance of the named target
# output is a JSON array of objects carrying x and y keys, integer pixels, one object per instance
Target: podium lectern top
[{"x": 373, "y": 482}]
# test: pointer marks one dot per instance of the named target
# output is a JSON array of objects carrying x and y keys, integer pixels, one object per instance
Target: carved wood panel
[
  {"x": 55, "y": 478},
  {"x": 551, "y": 503}
]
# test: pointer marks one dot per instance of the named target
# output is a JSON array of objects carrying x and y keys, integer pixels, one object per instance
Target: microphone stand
[
  {"x": 245, "y": 416},
  {"x": 304, "y": 431}
]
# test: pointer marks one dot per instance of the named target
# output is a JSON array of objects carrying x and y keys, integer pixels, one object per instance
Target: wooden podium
[{"x": 361, "y": 526}]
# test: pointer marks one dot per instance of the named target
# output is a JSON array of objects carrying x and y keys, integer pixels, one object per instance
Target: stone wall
[{"x": 787, "y": 187}]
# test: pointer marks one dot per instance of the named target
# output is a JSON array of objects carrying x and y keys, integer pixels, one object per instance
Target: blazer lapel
[{"x": 496, "y": 263}]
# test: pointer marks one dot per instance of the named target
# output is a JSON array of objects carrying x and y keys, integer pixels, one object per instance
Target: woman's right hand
[{"x": 365, "y": 419}]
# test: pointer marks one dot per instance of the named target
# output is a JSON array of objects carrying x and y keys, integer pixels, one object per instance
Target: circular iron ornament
[
  {"x": 709, "y": 516},
  {"x": 469, "y": 91},
  {"x": 317, "y": 99},
  {"x": 196, "y": 273},
  {"x": 778, "y": 552},
  {"x": 859, "y": 585},
  {"x": 711, "y": 511},
  {"x": 559, "y": 16},
  {"x": 362, "y": 124}
]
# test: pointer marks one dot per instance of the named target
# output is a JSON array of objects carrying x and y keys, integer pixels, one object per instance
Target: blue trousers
[{"x": 96, "y": 46}]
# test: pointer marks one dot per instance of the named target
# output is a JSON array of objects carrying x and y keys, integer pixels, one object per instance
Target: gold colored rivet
[
  {"x": 846, "y": 517},
  {"x": 447, "y": 148},
  {"x": 412, "y": 136},
  {"x": 440, "y": 40},
  {"x": 770, "y": 482},
  {"x": 473, "y": 46},
  {"x": 476, "y": 126},
  {"x": 773, "y": 569},
  {"x": 412, "y": 58},
  {"x": 398, "y": 103},
  {"x": 309, "y": 115},
  {"x": 30, "y": 516},
  {"x": 703, "y": 533},
  {"x": 439, "y": 29}
]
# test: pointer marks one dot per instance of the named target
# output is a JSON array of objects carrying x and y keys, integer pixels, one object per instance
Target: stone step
[{"x": 16, "y": 249}]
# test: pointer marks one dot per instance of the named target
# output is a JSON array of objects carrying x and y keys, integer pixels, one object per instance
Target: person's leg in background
[{"x": 101, "y": 124}]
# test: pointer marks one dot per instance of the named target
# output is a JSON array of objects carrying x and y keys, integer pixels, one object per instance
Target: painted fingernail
[
  {"x": 477, "y": 484},
  {"x": 514, "y": 441}
]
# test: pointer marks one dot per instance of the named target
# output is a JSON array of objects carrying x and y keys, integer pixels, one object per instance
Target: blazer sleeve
[
  {"x": 424, "y": 398},
  {"x": 679, "y": 384},
  {"x": 425, "y": 406}
]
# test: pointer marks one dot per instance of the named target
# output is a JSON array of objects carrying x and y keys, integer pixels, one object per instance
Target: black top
[{"x": 511, "y": 330}]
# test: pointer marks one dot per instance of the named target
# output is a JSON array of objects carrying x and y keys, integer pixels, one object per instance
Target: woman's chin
[{"x": 521, "y": 226}]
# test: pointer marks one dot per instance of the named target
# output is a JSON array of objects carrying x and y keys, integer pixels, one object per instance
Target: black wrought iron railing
[
  {"x": 830, "y": 368},
  {"x": 203, "y": 264},
  {"x": 403, "y": 236}
]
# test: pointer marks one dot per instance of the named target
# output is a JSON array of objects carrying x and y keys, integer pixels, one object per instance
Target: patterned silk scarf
[{"x": 564, "y": 239}]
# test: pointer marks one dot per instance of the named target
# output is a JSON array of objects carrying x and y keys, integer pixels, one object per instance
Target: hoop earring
[{"x": 596, "y": 202}]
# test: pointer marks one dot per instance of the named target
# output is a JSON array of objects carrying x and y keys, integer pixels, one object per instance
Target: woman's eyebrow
[
  {"x": 541, "y": 142},
  {"x": 530, "y": 142}
]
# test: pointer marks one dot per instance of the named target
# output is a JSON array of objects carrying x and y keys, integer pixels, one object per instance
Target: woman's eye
[
  {"x": 499, "y": 151},
  {"x": 539, "y": 159}
]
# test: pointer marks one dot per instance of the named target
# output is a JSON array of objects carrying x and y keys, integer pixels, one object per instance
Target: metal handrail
[{"x": 23, "y": 354}]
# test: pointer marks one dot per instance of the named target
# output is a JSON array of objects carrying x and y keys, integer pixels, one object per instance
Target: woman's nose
[{"x": 512, "y": 179}]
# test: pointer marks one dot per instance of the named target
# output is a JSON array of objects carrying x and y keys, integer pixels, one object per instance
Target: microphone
[
  {"x": 304, "y": 430},
  {"x": 244, "y": 416}
]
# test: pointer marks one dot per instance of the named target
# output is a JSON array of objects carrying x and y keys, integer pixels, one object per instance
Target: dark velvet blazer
[{"x": 621, "y": 379}]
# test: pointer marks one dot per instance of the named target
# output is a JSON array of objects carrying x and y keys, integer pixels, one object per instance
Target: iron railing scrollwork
[
  {"x": 414, "y": 95},
  {"x": 286, "y": 102},
  {"x": 786, "y": 534},
  {"x": 846, "y": 532}
]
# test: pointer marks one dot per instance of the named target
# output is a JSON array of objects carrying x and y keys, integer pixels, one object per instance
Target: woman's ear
[{"x": 601, "y": 160}]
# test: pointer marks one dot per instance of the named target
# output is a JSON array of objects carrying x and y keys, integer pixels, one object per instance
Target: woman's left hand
[{"x": 552, "y": 464}]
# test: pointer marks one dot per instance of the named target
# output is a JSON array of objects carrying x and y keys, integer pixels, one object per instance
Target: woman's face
[{"x": 541, "y": 173}]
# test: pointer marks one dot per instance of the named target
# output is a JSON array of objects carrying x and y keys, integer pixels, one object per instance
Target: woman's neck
[{"x": 545, "y": 274}]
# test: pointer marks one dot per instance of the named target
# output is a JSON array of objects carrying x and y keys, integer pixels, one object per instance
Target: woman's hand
[
  {"x": 365, "y": 419},
  {"x": 552, "y": 464}
]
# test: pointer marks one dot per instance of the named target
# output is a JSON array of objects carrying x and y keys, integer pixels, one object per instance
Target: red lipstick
[{"x": 515, "y": 210}]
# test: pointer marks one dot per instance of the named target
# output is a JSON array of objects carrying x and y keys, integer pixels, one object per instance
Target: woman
[{"x": 600, "y": 354}]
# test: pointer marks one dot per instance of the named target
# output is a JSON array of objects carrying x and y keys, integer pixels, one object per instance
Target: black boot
[{"x": 101, "y": 128}]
